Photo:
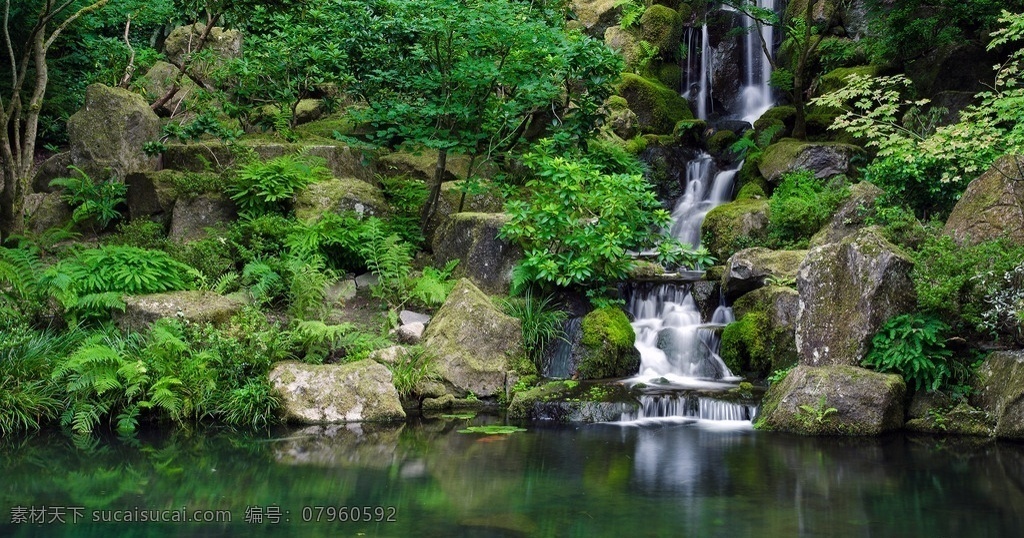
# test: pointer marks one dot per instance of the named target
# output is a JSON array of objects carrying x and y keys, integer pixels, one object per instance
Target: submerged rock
[
  {"x": 360, "y": 391},
  {"x": 847, "y": 291},
  {"x": 484, "y": 258},
  {"x": 474, "y": 342},
  {"x": 992, "y": 206},
  {"x": 834, "y": 400},
  {"x": 194, "y": 306},
  {"x": 999, "y": 390},
  {"x": 606, "y": 346}
]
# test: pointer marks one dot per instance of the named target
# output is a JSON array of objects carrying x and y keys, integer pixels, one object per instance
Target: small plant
[
  {"x": 818, "y": 413},
  {"x": 540, "y": 321},
  {"x": 92, "y": 201},
  {"x": 493, "y": 430},
  {"x": 779, "y": 375},
  {"x": 268, "y": 187},
  {"x": 781, "y": 281},
  {"x": 913, "y": 345},
  {"x": 414, "y": 365},
  {"x": 632, "y": 10},
  {"x": 799, "y": 207}
]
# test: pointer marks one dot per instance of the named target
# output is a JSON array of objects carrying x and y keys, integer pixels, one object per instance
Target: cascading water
[{"x": 757, "y": 69}]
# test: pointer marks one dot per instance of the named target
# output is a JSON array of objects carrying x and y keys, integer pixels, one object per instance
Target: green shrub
[
  {"x": 96, "y": 202},
  {"x": 541, "y": 321},
  {"x": 800, "y": 206},
  {"x": 414, "y": 364},
  {"x": 914, "y": 346},
  {"x": 268, "y": 187},
  {"x": 140, "y": 233}
]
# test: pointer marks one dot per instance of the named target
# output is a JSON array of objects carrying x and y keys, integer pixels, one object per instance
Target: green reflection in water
[{"x": 600, "y": 480}]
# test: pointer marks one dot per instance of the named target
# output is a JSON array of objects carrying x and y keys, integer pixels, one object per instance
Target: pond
[{"x": 675, "y": 477}]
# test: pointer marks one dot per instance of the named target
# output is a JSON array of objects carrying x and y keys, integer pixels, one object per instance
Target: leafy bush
[
  {"x": 140, "y": 233},
  {"x": 268, "y": 187},
  {"x": 390, "y": 259},
  {"x": 800, "y": 206},
  {"x": 92, "y": 201},
  {"x": 1004, "y": 315},
  {"x": 577, "y": 225},
  {"x": 914, "y": 346}
]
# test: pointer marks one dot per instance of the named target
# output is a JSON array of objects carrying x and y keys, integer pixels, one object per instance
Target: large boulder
[
  {"x": 341, "y": 160},
  {"x": 625, "y": 43},
  {"x": 749, "y": 269},
  {"x": 184, "y": 41},
  {"x": 151, "y": 195},
  {"x": 662, "y": 27},
  {"x": 473, "y": 239},
  {"x": 596, "y": 16},
  {"x": 847, "y": 291},
  {"x": 657, "y": 108},
  {"x": 194, "y": 306},
  {"x": 192, "y": 216},
  {"x": 728, "y": 227},
  {"x": 763, "y": 337},
  {"x": 110, "y": 130},
  {"x": 46, "y": 210},
  {"x": 360, "y": 391},
  {"x": 992, "y": 206},
  {"x": 834, "y": 400},
  {"x": 606, "y": 346},
  {"x": 337, "y": 195},
  {"x": 851, "y": 215},
  {"x": 999, "y": 390},
  {"x": 474, "y": 342},
  {"x": 51, "y": 169},
  {"x": 486, "y": 200},
  {"x": 422, "y": 164},
  {"x": 158, "y": 81},
  {"x": 825, "y": 159}
]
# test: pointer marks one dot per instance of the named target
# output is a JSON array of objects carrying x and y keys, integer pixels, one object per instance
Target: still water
[{"x": 423, "y": 478}]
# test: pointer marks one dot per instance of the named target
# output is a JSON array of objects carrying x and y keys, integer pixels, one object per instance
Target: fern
[
  {"x": 268, "y": 187},
  {"x": 632, "y": 11},
  {"x": 91, "y": 200},
  {"x": 307, "y": 288},
  {"x": 433, "y": 286},
  {"x": 391, "y": 260},
  {"x": 913, "y": 346},
  {"x": 264, "y": 282}
]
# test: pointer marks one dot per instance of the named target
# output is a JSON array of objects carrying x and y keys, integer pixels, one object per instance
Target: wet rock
[
  {"x": 109, "y": 132},
  {"x": 192, "y": 216},
  {"x": 851, "y": 215},
  {"x": 751, "y": 268},
  {"x": 194, "y": 306},
  {"x": 992, "y": 206},
  {"x": 339, "y": 195},
  {"x": 999, "y": 390},
  {"x": 474, "y": 342},
  {"x": 847, "y": 291},
  {"x": 763, "y": 337},
  {"x": 473, "y": 239},
  {"x": 825, "y": 159},
  {"x": 360, "y": 391},
  {"x": 607, "y": 346},
  {"x": 728, "y": 226},
  {"x": 567, "y": 402},
  {"x": 834, "y": 400}
]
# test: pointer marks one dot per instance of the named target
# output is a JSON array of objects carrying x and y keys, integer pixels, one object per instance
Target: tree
[{"x": 21, "y": 104}]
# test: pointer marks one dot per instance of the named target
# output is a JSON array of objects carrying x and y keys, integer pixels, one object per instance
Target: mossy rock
[
  {"x": 750, "y": 175},
  {"x": 734, "y": 226},
  {"x": 607, "y": 345},
  {"x": 342, "y": 160},
  {"x": 853, "y": 214},
  {"x": 836, "y": 78},
  {"x": 689, "y": 131},
  {"x": 485, "y": 259},
  {"x": 158, "y": 81},
  {"x": 822, "y": 12},
  {"x": 622, "y": 121},
  {"x": 45, "y": 211},
  {"x": 573, "y": 402},
  {"x": 779, "y": 115},
  {"x": 992, "y": 207},
  {"x": 833, "y": 400},
  {"x": 221, "y": 44},
  {"x": 751, "y": 191},
  {"x": 824, "y": 159},
  {"x": 193, "y": 306},
  {"x": 671, "y": 4},
  {"x": 662, "y": 27},
  {"x": 107, "y": 134},
  {"x": 360, "y": 391},
  {"x": 669, "y": 74},
  {"x": 763, "y": 339},
  {"x": 720, "y": 142},
  {"x": 596, "y": 16},
  {"x": 324, "y": 127},
  {"x": 339, "y": 195},
  {"x": 999, "y": 391},
  {"x": 658, "y": 108},
  {"x": 193, "y": 216},
  {"x": 962, "y": 419},
  {"x": 626, "y": 44},
  {"x": 752, "y": 268}
]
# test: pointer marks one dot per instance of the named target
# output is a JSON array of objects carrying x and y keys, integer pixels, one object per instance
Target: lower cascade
[{"x": 690, "y": 406}]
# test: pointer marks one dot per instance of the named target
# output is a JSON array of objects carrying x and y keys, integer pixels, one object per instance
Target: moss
[
  {"x": 645, "y": 269},
  {"x": 743, "y": 343},
  {"x": 635, "y": 145},
  {"x": 749, "y": 174},
  {"x": 735, "y": 225},
  {"x": 669, "y": 74},
  {"x": 756, "y": 343},
  {"x": 720, "y": 141},
  {"x": 337, "y": 195},
  {"x": 836, "y": 78},
  {"x": 607, "y": 345},
  {"x": 657, "y": 107},
  {"x": 751, "y": 191},
  {"x": 662, "y": 27},
  {"x": 779, "y": 115},
  {"x": 325, "y": 127},
  {"x": 616, "y": 102},
  {"x": 690, "y": 130}
]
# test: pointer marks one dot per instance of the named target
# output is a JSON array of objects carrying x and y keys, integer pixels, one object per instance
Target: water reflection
[{"x": 685, "y": 478}]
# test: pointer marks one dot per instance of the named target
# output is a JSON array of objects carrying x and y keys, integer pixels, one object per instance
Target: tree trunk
[
  {"x": 435, "y": 190},
  {"x": 800, "y": 76}
]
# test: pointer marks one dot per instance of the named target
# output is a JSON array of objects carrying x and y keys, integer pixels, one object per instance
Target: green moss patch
[{"x": 657, "y": 107}]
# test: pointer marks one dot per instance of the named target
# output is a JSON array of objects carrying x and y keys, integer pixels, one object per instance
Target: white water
[
  {"x": 757, "y": 71},
  {"x": 689, "y": 406}
]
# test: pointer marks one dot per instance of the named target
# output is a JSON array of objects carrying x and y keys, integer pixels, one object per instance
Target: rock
[
  {"x": 728, "y": 226},
  {"x": 359, "y": 391},
  {"x": 408, "y": 316},
  {"x": 341, "y": 160},
  {"x": 607, "y": 346},
  {"x": 152, "y": 194},
  {"x": 999, "y": 390},
  {"x": 763, "y": 339},
  {"x": 449, "y": 402},
  {"x": 624, "y": 43},
  {"x": 308, "y": 110},
  {"x": 621, "y": 120},
  {"x": 194, "y": 306},
  {"x": 339, "y": 195},
  {"x": 661, "y": 27},
  {"x": 192, "y": 216},
  {"x": 341, "y": 292},
  {"x": 847, "y": 291},
  {"x": 51, "y": 169},
  {"x": 825, "y": 159},
  {"x": 422, "y": 163},
  {"x": 666, "y": 166},
  {"x": 657, "y": 108},
  {"x": 823, "y": 12},
  {"x": 184, "y": 41},
  {"x": 388, "y": 355},
  {"x": 109, "y": 131},
  {"x": 992, "y": 206},
  {"x": 487, "y": 201},
  {"x": 366, "y": 280},
  {"x": 851, "y": 215},
  {"x": 568, "y": 401},
  {"x": 411, "y": 333},
  {"x": 474, "y": 342},
  {"x": 959, "y": 420},
  {"x": 473, "y": 239},
  {"x": 46, "y": 210},
  {"x": 836, "y": 78},
  {"x": 834, "y": 400},
  {"x": 158, "y": 81},
  {"x": 597, "y": 15},
  {"x": 749, "y": 269}
]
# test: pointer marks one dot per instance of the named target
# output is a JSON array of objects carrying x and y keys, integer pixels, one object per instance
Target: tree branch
[
  {"x": 98, "y": 4},
  {"x": 129, "y": 70}
]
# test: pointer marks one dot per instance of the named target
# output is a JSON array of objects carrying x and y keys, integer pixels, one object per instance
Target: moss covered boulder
[
  {"x": 836, "y": 78},
  {"x": 732, "y": 226},
  {"x": 596, "y": 16},
  {"x": 221, "y": 44},
  {"x": 570, "y": 401},
  {"x": 606, "y": 346},
  {"x": 192, "y": 216},
  {"x": 340, "y": 159},
  {"x": 750, "y": 268},
  {"x": 833, "y": 400},
  {"x": 195, "y": 306},
  {"x": 852, "y": 214},
  {"x": 360, "y": 391},
  {"x": 110, "y": 130},
  {"x": 46, "y": 210},
  {"x": 763, "y": 337},
  {"x": 158, "y": 81},
  {"x": 626, "y": 44},
  {"x": 657, "y": 108},
  {"x": 992, "y": 206},
  {"x": 485, "y": 259},
  {"x": 421, "y": 164},
  {"x": 999, "y": 390},
  {"x": 662, "y": 27},
  {"x": 825, "y": 159},
  {"x": 339, "y": 195},
  {"x": 961, "y": 419},
  {"x": 847, "y": 291},
  {"x": 486, "y": 199},
  {"x": 474, "y": 342}
]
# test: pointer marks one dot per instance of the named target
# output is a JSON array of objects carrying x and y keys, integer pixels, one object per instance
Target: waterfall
[
  {"x": 690, "y": 406},
  {"x": 757, "y": 70},
  {"x": 558, "y": 363},
  {"x": 704, "y": 90}
]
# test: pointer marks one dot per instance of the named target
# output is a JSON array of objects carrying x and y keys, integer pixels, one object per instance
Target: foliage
[
  {"x": 267, "y": 187},
  {"x": 413, "y": 364},
  {"x": 752, "y": 144},
  {"x": 405, "y": 196},
  {"x": 914, "y": 346},
  {"x": 23, "y": 293},
  {"x": 28, "y": 397},
  {"x": 193, "y": 129},
  {"x": 540, "y": 320},
  {"x": 141, "y": 233},
  {"x": 779, "y": 375},
  {"x": 492, "y": 429},
  {"x": 575, "y": 224},
  {"x": 632, "y": 10},
  {"x": 91, "y": 200},
  {"x": 390, "y": 258},
  {"x": 319, "y": 342},
  {"x": 1004, "y": 314},
  {"x": 799, "y": 206},
  {"x": 819, "y": 412}
]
